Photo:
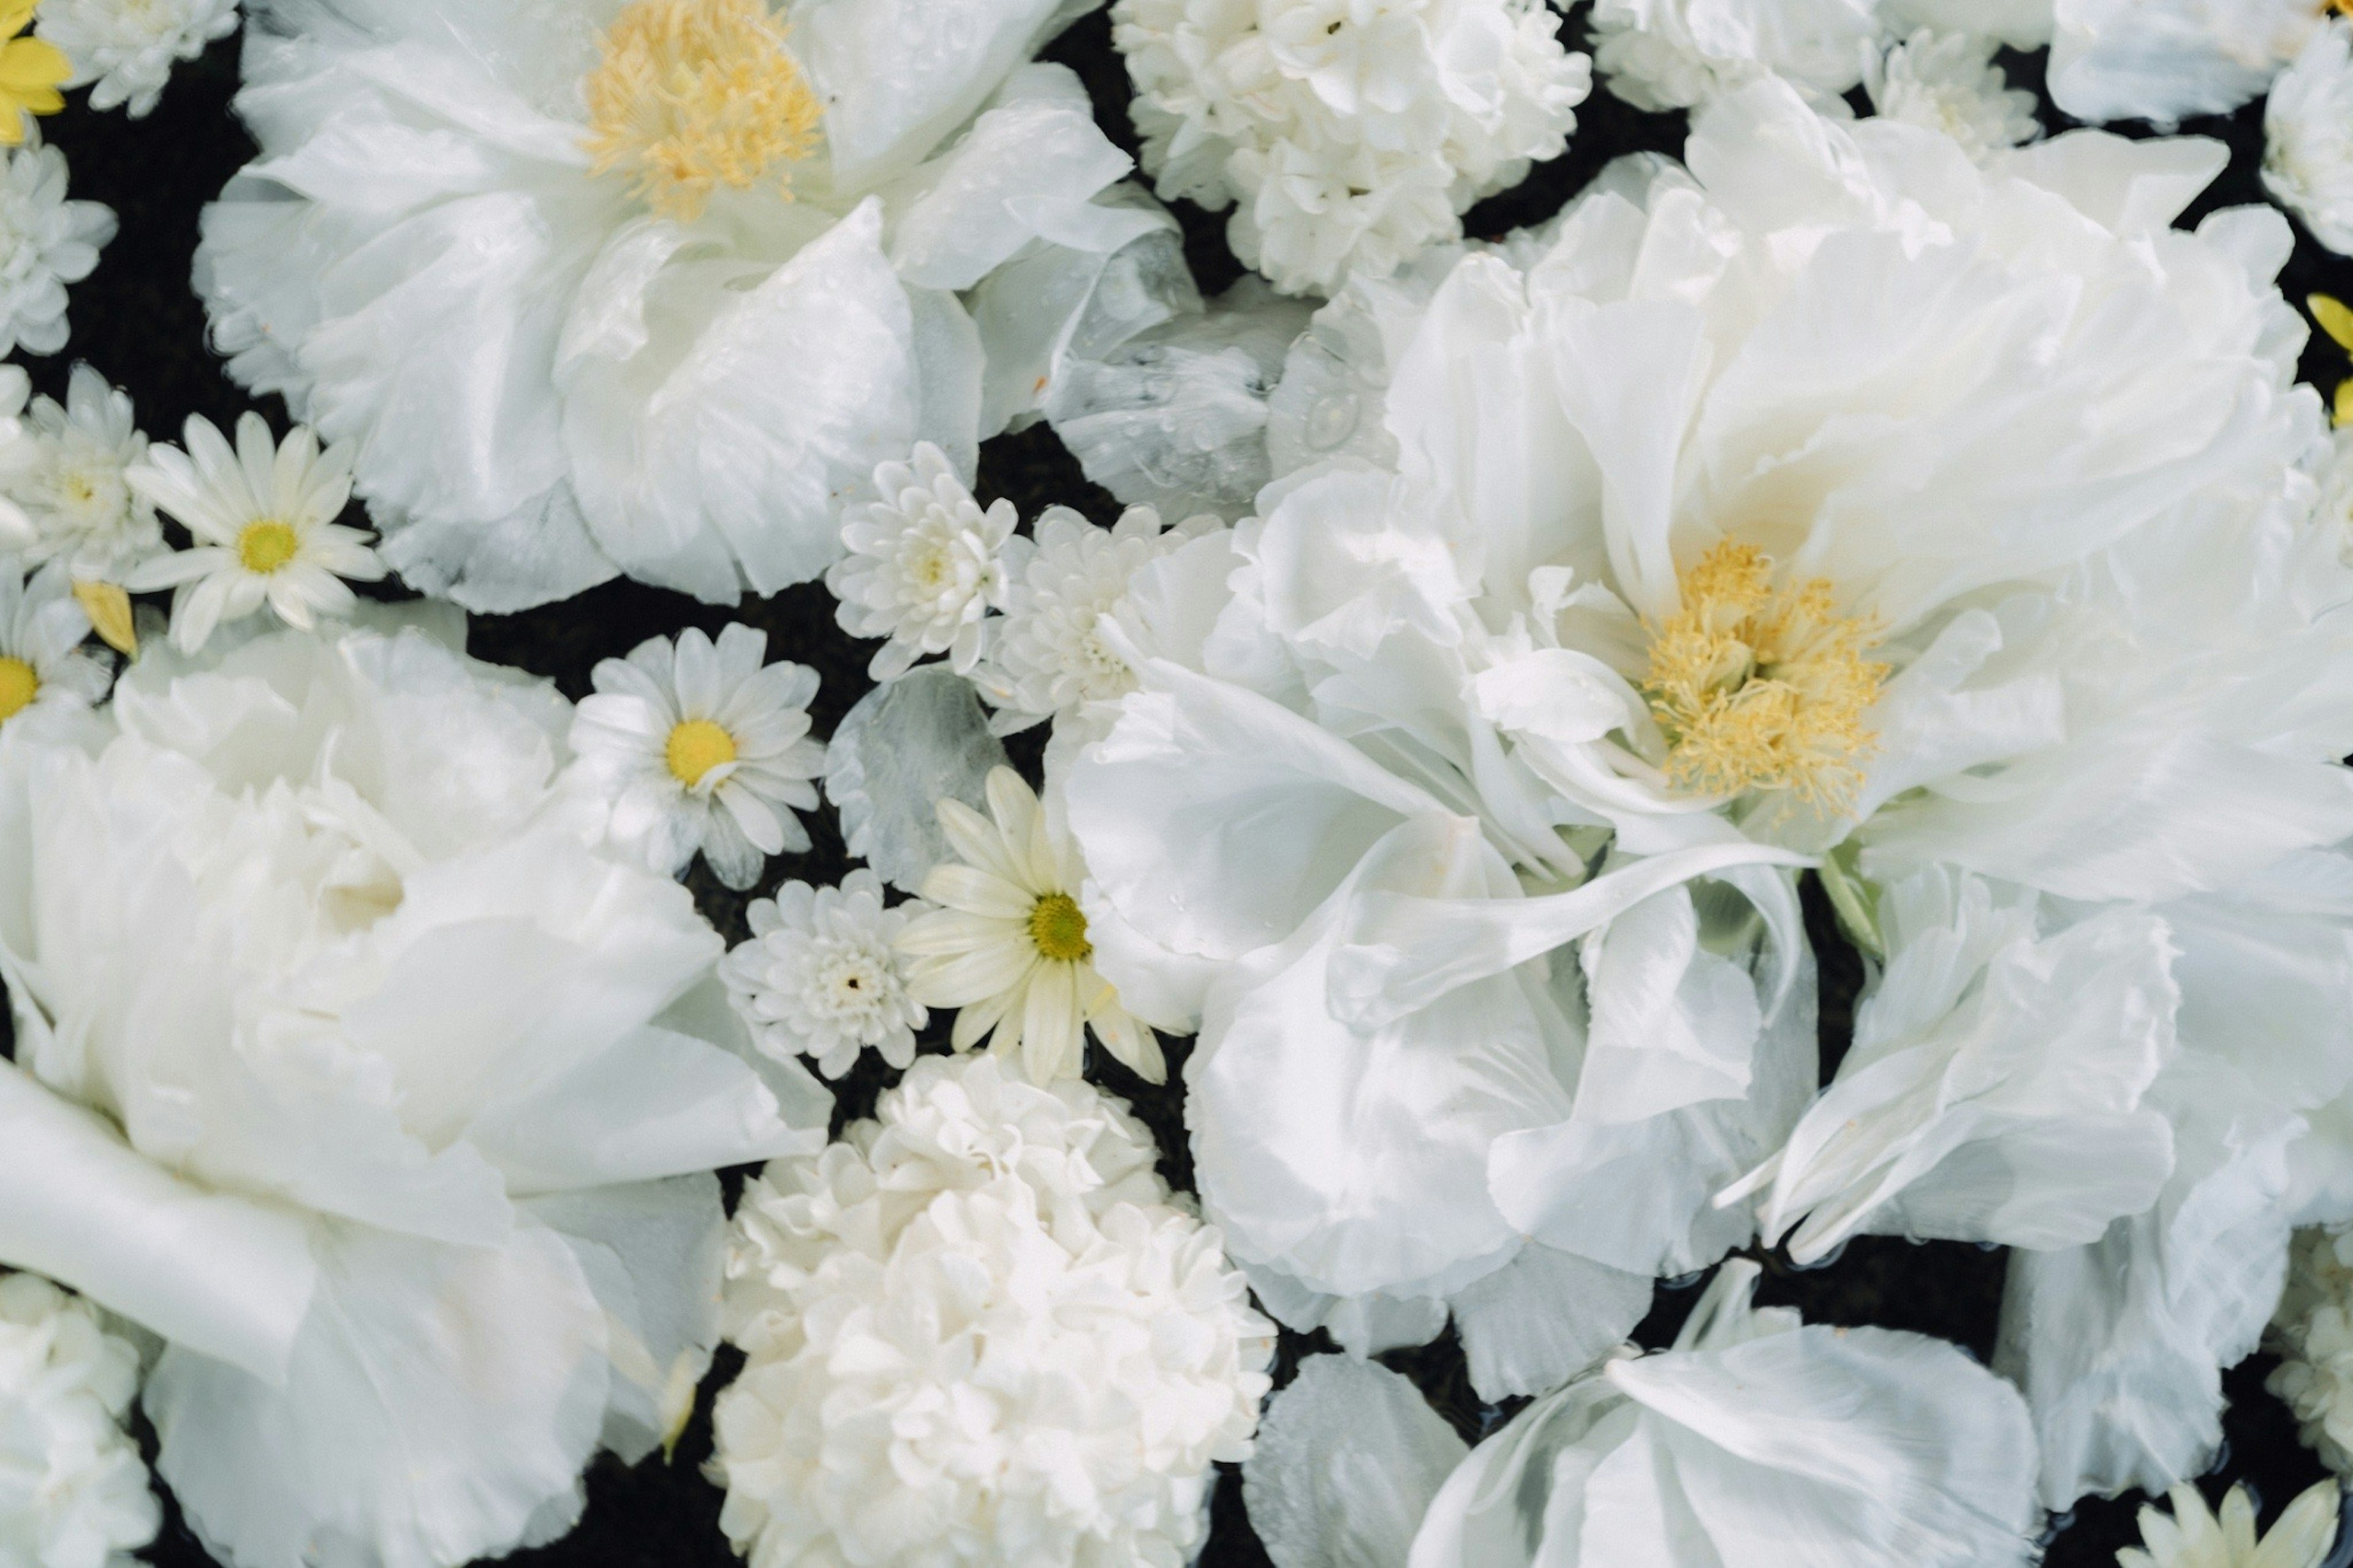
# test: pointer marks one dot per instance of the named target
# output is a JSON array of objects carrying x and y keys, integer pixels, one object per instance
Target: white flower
[
  {"x": 73, "y": 1492},
  {"x": 2308, "y": 136},
  {"x": 1679, "y": 54},
  {"x": 1347, "y": 1458},
  {"x": 1948, "y": 82},
  {"x": 2195, "y": 1536},
  {"x": 42, "y": 668},
  {"x": 702, "y": 747},
  {"x": 71, "y": 482},
  {"x": 263, "y": 518},
  {"x": 653, "y": 287},
  {"x": 980, "y": 1329},
  {"x": 2313, "y": 1332},
  {"x": 2168, "y": 60},
  {"x": 925, "y": 563},
  {"x": 1010, "y": 947},
  {"x": 346, "y": 1065},
  {"x": 46, "y": 243},
  {"x": 1755, "y": 1437},
  {"x": 821, "y": 977},
  {"x": 122, "y": 50},
  {"x": 1347, "y": 134}
]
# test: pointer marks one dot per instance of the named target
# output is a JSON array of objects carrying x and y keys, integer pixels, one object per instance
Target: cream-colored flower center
[
  {"x": 1059, "y": 929},
  {"x": 696, "y": 747},
  {"x": 267, "y": 546},
  {"x": 19, "y": 686},
  {"x": 692, "y": 95},
  {"x": 1758, "y": 687}
]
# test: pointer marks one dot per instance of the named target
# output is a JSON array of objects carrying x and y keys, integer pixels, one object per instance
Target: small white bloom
[
  {"x": 46, "y": 243},
  {"x": 702, "y": 747},
  {"x": 2313, "y": 1331},
  {"x": 263, "y": 517},
  {"x": 2308, "y": 137},
  {"x": 1011, "y": 945},
  {"x": 73, "y": 1492},
  {"x": 70, "y": 479},
  {"x": 1948, "y": 82},
  {"x": 122, "y": 50},
  {"x": 926, "y": 564},
  {"x": 821, "y": 978},
  {"x": 42, "y": 665},
  {"x": 982, "y": 1330},
  {"x": 2197, "y": 1537}
]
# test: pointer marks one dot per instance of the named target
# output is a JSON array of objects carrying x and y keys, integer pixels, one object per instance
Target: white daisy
[
  {"x": 821, "y": 978},
  {"x": 264, "y": 521},
  {"x": 1010, "y": 946},
  {"x": 122, "y": 50},
  {"x": 926, "y": 564},
  {"x": 1948, "y": 82},
  {"x": 703, "y": 746},
  {"x": 2195, "y": 1537},
  {"x": 71, "y": 484},
  {"x": 46, "y": 243},
  {"x": 42, "y": 665}
]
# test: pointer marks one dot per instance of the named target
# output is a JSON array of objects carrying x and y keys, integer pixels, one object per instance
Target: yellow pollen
[
  {"x": 267, "y": 546},
  {"x": 19, "y": 686},
  {"x": 695, "y": 748},
  {"x": 1762, "y": 688},
  {"x": 1060, "y": 930},
  {"x": 694, "y": 94}
]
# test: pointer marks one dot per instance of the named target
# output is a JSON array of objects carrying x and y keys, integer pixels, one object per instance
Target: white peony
[
  {"x": 1346, "y": 134},
  {"x": 1948, "y": 82},
  {"x": 349, "y": 1068},
  {"x": 2308, "y": 136},
  {"x": 648, "y": 288},
  {"x": 46, "y": 243},
  {"x": 1679, "y": 54},
  {"x": 820, "y": 978},
  {"x": 925, "y": 565},
  {"x": 73, "y": 1492},
  {"x": 122, "y": 50},
  {"x": 981, "y": 1329}
]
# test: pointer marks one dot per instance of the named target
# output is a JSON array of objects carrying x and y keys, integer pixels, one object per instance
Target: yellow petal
[
  {"x": 2335, "y": 319},
  {"x": 32, "y": 69},
  {"x": 15, "y": 14},
  {"x": 2345, "y": 403},
  {"x": 109, "y": 609}
]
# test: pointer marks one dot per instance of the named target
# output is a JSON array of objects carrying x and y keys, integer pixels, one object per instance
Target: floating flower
[
  {"x": 1948, "y": 82},
  {"x": 46, "y": 241},
  {"x": 926, "y": 564},
  {"x": 73, "y": 1491},
  {"x": 702, "y": 747},
  {"x": 263, "y": 517},
  {"x": 676, "y": 275},
  {"x": 2194, "y": 1536},
  {"x": 1347, "y": 137},
  {"x": 1010, "y": 947},
  {"x": 31, "y": 72},
  {"x": 347, "y": 1066},
  {"x": 2308, "y": 136},
  {"x": 71, "y": 481},
  {"x": 122, "y": 50},
  {"x": 1680, "y": 53},
  {"x": 43, "y": 669},
  {"x": 821, "y": 977},
  {"x": 980, "y": 1327}
]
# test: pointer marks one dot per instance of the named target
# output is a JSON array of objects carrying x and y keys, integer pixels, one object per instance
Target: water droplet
[{"x": 1331, "y": 421}]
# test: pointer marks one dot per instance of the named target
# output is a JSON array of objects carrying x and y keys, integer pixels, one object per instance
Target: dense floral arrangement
[{"x": 1307, "y": 909}]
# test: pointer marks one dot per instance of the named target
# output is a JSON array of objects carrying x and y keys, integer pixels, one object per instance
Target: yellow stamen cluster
[
  {"x": 1059, "y": 928},
  {"x": 696, "y": 747},
  {"x": 267, "y": 546},
  {"x": 692, "y": 95},
  {"x": 1761, "y": 687},
  {"x": 19, "y": 686}
]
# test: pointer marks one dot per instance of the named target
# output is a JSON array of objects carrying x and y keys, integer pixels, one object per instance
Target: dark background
[{"x": 137, "y": 320}]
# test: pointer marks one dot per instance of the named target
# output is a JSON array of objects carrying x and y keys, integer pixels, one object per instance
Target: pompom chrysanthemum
[
  {"x": 73, "y": 1492},
  {"x": 820, "y": 976},
  {"x": 1948, "y": 82},
  {"x": 926, "y": 564},
  {"x": 2308, "y": 137},
  {"x": 46, "y": 243},
  {"x": 122, "y": 50},
  {"x": 981, "y": 1330},
  {"x": 70, "y": 480}
]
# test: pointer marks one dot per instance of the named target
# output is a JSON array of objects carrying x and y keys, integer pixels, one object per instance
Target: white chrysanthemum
[
  {"x": 2313, "y": 1332},
  {"x": 1010, "y": 947},
  {"x": 652, "y": 287},
  {"x": 703, "y": 746},
  {"x": 981, "y": 1330},
  {"x": 122, "y": 50},
  {"x": 43, "y": 668},
  {"x": 70, "y": 479},
  {"x": 1680, "y": 53},
  {"x": 73, "y": 1491},
  {"x": 1048, "y": 658},
  {"x": 821, "y": 978},
  {"x": 46, "y": 243},
  {"x": 263, "y": 517},
  {"x": 926, "y": 564},
  {"x": 2308, "y": 137},
  {"x": 1948, "y": 82},
  {"x": 1348, "y": 134},
  {"x": 348, "y": 1065},
  {"x": 2194, "y": 1536}
]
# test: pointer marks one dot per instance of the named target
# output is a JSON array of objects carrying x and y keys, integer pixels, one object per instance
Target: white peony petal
[{"x": 1348, "y": 1456}]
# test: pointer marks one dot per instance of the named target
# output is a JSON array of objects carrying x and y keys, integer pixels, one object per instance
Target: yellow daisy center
[
  {"x": 267, "y": 546},
  {"x": 19, "y": 686},
  {"x": 1060, "y": 930},
  {"x": 695, "y": 748},
  {"x": 1762, "y": 688},
  {"x": 691, "y": 95}
]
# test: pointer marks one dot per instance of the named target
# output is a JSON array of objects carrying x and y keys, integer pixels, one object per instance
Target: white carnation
[
  {"x": 820, "y": 978},
  {"x": 2308, "y": 137},
  {"x": 1349, "y": 135},
  {"x": 46, "y": 243},
  {"x": 926, "y": 564},
  {"x": 1948, "y": 82},
  {"x": 122, "y": 50},
  {"x": 981, "y": 1329},
  {"x": 73, "y": 1492}
]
